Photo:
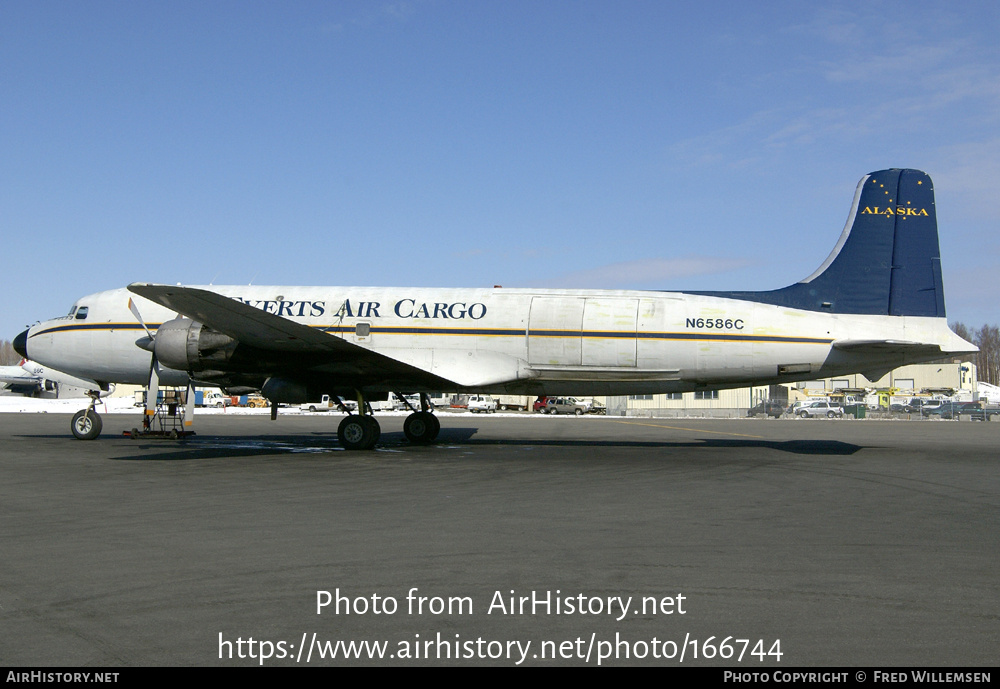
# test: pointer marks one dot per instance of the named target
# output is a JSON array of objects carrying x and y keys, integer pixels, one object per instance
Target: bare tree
[
  {"x": 8, "y": 357},
  {"x": 961, "y": 330},
  {"x": 987, "y": 338}
]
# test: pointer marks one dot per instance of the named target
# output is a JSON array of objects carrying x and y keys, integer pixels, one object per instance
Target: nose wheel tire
[{"x": 86, "y": 425}]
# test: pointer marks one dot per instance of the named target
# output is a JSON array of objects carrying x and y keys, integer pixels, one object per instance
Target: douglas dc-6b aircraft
[
  {"x": 876, "y": 303},
  {"x": 30, "y": 378}
]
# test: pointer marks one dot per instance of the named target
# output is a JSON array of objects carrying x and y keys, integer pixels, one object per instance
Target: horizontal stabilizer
[{"x": 876, "y": 347}]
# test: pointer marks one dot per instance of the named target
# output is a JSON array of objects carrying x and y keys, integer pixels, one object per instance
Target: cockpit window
[
  {"x": 81, "y": 313},
  {"x": 72, "y": 311}
]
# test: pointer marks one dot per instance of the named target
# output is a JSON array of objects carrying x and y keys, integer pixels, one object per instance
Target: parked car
[
  {"x": 482, "y": 403},
  {"x": 774, "y": 409},
  {"x": 814, "y": 409},
  {"x": 953, "y": 410},
  {"x": 539, "y": 404},
  {"x": 564, "y": 405},
  {"x": 929, "y": 406},
  {"x": 916, "y": 404}
]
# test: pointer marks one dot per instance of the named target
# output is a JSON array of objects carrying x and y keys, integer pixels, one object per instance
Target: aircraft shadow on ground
[
  {"x": 218, "y": 447},
  {"x": 799, "y": 447}
]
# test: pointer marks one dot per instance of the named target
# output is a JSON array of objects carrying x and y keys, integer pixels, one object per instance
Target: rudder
[{"x": 886, "y": 262}]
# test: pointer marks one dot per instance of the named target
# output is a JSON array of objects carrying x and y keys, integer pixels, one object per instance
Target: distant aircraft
[
  {"x": 30, "y": 378},
  {"x": 876, "y": 303},
  {"x": 16, "y": 379}
]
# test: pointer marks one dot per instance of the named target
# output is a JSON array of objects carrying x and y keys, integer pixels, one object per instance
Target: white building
[{"x": 941, "y": 379}]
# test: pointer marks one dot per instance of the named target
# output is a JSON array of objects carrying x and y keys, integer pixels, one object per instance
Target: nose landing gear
[{"x": 86, "y": 423}]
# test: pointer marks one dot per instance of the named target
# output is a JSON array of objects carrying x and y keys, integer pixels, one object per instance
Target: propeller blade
[
  {"x": 189, "y": 406},
  {"x": 154, "y": 388},
  {"x": 135, "y": 312}
]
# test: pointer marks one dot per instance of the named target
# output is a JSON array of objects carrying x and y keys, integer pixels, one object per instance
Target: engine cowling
[{"x": 187, "y": 345}]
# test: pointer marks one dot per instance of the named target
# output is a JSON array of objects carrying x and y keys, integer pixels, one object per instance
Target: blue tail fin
[{"x": 887, "y": 261}]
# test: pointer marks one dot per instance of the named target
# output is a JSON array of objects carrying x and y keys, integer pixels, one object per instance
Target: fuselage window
[{"x": 81, "y": 313}]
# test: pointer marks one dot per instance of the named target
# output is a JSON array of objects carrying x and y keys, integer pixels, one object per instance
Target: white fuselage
[{"x": 586, "y": 342}]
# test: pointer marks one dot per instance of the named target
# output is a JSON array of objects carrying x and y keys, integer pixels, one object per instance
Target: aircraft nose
[{"x": 21, "y": 344}]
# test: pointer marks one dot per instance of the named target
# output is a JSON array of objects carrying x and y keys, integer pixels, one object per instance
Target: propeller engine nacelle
[{"x": 186, "y": 345}]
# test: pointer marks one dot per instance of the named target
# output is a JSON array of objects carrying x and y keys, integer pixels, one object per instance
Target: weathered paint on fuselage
[{"x": 588, "y": 342}]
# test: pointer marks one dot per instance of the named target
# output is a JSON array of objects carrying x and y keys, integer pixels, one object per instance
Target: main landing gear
[
  {"x": 421, "y": 427},
  {"x": 361, "y": 431}
]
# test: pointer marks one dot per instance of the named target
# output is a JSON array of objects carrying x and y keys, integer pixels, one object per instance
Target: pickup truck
[
  {"x": 951, "y": 410},
  {"x": 213, "y": 398},
  {"x": 513, "y": 402},
  {"x": 326, "y": 403},
  {"x": 985, "y": 414}
]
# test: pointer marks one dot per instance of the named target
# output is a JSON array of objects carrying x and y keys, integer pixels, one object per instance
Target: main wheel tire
[
  {"x": 86, "y": 425},
  {"x": 435, "y": 427},
  {"x": 421, "y": 427},
  {"x": 358, "y": 432}
]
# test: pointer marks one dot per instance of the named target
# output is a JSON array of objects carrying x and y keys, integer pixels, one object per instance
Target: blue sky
[{"x": 649, "y": 145}]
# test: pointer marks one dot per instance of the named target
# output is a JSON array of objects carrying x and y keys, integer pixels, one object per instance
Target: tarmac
[{"x": 514, "y": 540}]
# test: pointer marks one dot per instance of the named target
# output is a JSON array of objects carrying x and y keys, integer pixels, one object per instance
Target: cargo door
[
  {"x": 555, "y": 331},
  {"x": 609, "y": 328}
]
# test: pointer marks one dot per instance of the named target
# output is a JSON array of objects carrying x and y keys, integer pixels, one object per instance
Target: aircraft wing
[
  {"x": 268, "y": 332},
  {"x": 14, "y": 375}
]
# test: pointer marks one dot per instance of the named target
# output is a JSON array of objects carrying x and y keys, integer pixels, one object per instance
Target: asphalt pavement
[{"x": 513, "y": 540}]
